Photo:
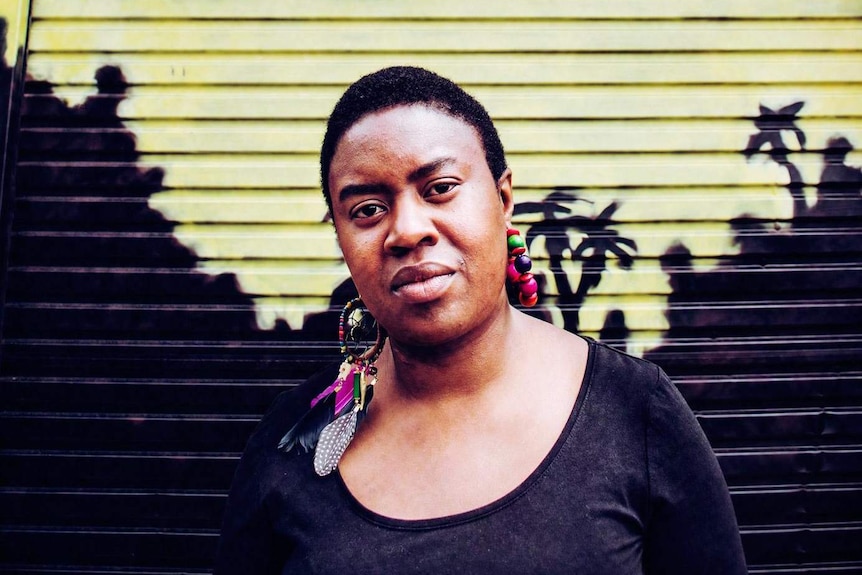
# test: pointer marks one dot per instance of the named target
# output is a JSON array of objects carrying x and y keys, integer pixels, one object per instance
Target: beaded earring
[
  {"x": 330, "y": 424},
  {"x": 518, "y": 269}
]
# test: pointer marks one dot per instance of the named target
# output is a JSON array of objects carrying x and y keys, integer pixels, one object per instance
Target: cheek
[
  {"x": 350, "y": 251},
  {"x": 488, "y": 254},
  {"x": 358, "y": 262},
  {"x": 364, "y": 266}
]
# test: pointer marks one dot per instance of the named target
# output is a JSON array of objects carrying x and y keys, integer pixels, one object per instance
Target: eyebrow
[
  {"x": 429, "y": 168},
  {"x": 351, "y": 190},
  {"x": 419, "y": 173}
]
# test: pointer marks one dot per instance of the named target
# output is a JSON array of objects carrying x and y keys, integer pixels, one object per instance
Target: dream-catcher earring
[{"x": 330, "y": 423}]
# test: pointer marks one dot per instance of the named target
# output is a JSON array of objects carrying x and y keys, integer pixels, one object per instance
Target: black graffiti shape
[
  {"x": 840, "y": 185},
  {"x": 90, "y": 260},
  {"x": 593, "y": 252},
  {"x": 600, "y": 242},
  {"x": 791, "y": 285},
  {"x": 770, "y": 124},
  {"x": 614, "y": 330}
]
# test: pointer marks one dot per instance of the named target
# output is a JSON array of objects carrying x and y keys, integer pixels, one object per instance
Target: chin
[
  {"x": 438, "y": 327},
  {"x": 419, "y": 333},
  {"x": 427, "y": 340}
]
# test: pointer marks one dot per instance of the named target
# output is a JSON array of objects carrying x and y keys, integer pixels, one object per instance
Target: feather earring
[{"x": 330, "y": 423}]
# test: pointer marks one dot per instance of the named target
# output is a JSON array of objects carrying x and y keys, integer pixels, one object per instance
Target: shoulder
[
  {"x": 289, "y": 406},
  {"x": 262, "y": 466},
  {"x": 612, "y": 373},
  {"x": 639, "y": 395},
  {"x": 618, "y": 365},
  {"x": 637, "y": 379}
]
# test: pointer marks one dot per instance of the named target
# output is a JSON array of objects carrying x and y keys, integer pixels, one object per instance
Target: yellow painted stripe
[
  {"x": 445, "y": 9},
  {"x": 216, "y": 206},
  {"x": 456, "y": 36},
  {"x": 523, "y": 69},
  {"x": 293, "y": 102},
  {"x": 533, "y": 170},
  {"x": 537, "y": 136}
]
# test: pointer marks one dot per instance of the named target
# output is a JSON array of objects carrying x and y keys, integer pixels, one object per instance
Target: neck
[{"x": 468, "y": 366}]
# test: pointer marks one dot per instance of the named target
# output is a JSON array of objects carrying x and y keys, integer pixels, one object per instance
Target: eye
[
  {"x": 367, "y": 210},
  {"x": 441, "y": 188}
]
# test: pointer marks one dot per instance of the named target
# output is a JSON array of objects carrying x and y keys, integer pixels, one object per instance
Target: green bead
[
  {"x": 357, "y": 385},
  {"x": 515, "y": 241}
]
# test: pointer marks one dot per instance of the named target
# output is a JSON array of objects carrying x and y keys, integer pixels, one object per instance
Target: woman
[{"x": 495, "y": 443}]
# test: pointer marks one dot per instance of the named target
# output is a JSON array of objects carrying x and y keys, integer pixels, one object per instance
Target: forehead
[{"x": 406, "y": 128}]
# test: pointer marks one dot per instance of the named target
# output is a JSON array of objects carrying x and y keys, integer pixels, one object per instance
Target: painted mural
[{"x": 93, "y": 160}]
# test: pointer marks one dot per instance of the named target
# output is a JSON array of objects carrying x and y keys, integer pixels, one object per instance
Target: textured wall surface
[{"x": 686, "y": 174}]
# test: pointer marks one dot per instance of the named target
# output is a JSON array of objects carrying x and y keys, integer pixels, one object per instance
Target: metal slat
[
  {"x": 125, "y": 395},
  {"x": 104, "y": 548},
  {"x": 112, "y": 509}
]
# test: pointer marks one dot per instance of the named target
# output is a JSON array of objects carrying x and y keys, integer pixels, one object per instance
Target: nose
[{"x": 410, "y": 226}]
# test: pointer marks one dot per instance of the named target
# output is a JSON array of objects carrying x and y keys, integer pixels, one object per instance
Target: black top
[{"x": 630, "y": 486}]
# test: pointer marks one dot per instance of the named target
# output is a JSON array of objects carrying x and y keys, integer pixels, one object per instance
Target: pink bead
[
  {"x": 511, "y": 273},
  {"x": 529, "y": 288}
]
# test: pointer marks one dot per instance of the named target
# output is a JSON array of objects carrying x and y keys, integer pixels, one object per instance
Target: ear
[{"x": 504, "y": 188}]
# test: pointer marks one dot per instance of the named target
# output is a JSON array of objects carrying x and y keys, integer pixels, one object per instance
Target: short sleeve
[{"x": 691, "y": 526}]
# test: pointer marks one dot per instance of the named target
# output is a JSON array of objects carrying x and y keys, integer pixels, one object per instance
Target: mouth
[{"x": 422, "y": 283}]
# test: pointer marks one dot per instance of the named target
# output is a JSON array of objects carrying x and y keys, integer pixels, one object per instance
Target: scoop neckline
[{"x": 498, "y": 504}]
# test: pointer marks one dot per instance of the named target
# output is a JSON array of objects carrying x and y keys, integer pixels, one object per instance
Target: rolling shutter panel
[{"x": 686, "y": 173}]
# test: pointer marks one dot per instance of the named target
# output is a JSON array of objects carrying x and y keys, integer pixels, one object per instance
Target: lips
[{"x": 422, "y": 282}]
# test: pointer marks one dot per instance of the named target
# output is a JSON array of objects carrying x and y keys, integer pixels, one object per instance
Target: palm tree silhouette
[
  {"x": 593, "y": 251},
  {"x": 601, "y": 241},
  {"x": 554, "y": 230},
  {"x": 770, "y": 125}
]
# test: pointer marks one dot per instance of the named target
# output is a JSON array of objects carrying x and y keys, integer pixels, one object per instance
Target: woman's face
[{"x": 421, "y": 223}]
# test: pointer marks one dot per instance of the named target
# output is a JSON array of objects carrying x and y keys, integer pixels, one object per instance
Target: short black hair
[{"x": 403, "y": 86}]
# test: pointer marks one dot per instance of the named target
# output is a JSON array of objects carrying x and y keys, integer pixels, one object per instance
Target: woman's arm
[
  {"x": 248, "y": 544},
  {"x": 691, "y": 525}
]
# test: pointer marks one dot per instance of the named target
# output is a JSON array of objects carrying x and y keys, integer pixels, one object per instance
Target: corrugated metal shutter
[{"x": 686, "y": 173}]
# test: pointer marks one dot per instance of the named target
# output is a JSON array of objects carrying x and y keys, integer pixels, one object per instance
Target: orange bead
[{"x": 528, "y": 301}]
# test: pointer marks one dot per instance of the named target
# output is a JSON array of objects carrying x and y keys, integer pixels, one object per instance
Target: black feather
[{"x": 306, "y": 431}]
